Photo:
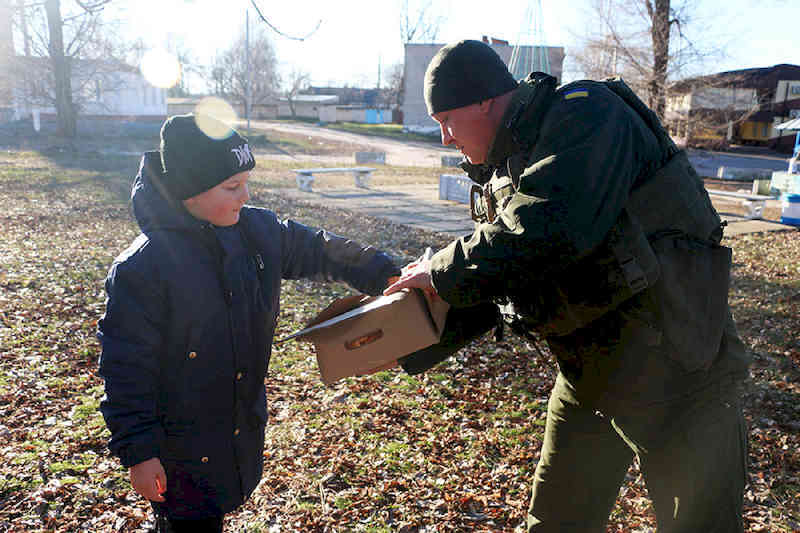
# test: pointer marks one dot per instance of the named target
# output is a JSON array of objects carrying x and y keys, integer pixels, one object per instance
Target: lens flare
[
  {"x": 160, "y": 68},
  {"x": 219, "y": 109}
]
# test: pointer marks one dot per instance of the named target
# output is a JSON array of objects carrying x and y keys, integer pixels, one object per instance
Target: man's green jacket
[{"x": 605, "y": 243}]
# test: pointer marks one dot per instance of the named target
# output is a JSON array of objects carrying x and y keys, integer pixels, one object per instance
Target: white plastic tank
[{"x": 790, "y": 212}]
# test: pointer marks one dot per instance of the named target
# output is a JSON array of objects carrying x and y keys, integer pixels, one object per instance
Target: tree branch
[{"x": 92, "y": 7}]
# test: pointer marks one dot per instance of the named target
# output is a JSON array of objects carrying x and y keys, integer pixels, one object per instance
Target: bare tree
[
  {"x": 417, "y": 24},
  {"x": 394, "y": 84},
  {"x": 420, "y": 24},
  {"x": 298, "y": 80},
  {"x": 645, "y": 41},
  {"x": 69, "y": 54},
  {"x": 229, "y": 70},
  {"x": 188, "y": 62},
  {"x": 6, "y": 51},
  {"x": 62, "y": 77}
]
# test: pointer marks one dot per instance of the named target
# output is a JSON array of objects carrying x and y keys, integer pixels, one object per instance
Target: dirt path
[{"x": 399, "y": 153}]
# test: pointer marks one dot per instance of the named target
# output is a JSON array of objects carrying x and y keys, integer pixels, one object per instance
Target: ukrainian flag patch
[{"x": 576, "y": 93}]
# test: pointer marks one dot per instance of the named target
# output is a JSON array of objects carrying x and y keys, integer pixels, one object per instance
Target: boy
[{"x": 190, "y": 315}]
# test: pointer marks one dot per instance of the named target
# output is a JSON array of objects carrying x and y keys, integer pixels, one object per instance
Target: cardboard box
[{"x": 357, "y": 334}]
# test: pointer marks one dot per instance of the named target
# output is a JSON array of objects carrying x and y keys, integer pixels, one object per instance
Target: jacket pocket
[
  {"x": 623, "y": 266},
  {"x": 692, "y": 299}
]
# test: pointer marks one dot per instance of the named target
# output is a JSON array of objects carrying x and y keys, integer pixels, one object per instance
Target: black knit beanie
[
  {"x": 464, "y": 73},
  {"x": 197, "y": 158}
]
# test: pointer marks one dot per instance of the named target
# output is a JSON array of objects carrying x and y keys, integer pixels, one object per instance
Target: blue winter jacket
[{"x": 187, "y": 333}]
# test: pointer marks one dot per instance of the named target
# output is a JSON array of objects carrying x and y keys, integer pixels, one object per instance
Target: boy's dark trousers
[{"x": 203, "y": 525}]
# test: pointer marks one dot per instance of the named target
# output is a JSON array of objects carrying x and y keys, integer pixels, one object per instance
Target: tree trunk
[
  {"x": 62, "y": 75},
  {"x": 660, "y": 35},
  {"x": 6, "y": 51}
]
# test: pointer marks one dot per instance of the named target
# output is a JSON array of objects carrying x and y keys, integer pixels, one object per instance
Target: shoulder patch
[{"x": 576, "y": 93}]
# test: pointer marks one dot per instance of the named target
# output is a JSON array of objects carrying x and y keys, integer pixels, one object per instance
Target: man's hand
[
  {"x": 149, "y": 479},
  {"x": 416, "y": 274}
]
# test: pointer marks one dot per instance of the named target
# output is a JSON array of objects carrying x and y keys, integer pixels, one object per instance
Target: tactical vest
[{"x": 666, "y": 240}]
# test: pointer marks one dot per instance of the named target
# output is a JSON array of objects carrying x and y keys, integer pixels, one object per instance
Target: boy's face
[{"x": 221, "y": 204}]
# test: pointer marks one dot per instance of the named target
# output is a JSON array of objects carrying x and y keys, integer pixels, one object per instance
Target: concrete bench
[
  {"x": 305, "y": 176},
  {"x": 755, "y": 202},
  {"x": 455, "y": 187}
]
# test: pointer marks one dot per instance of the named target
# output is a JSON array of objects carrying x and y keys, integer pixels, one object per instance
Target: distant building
[
  {"x": 354, "y": 95},
  {"x": 100, "y": 90},
  {"x": 188, "y": 104},
  {"x": 739, "y": 106},
  {"x": 355, "y": 113},
  {"x": 417, "y": 57},
  {"x": 306, "y": 105},
  {"x": 371, "y": 106}
]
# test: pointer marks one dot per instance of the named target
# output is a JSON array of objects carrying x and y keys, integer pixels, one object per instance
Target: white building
[
  {"x": 417, "y": 57},
  {"x": 306, "y": 105},
  {"x": 98, "y": 91}
]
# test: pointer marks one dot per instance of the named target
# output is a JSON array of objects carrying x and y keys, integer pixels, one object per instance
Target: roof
[
  {"x": 314, "y": 98},
  {"x": 184, "y": 100},
  {"x": 793, "y": 124},
  {"x": 749, "y": 78}
]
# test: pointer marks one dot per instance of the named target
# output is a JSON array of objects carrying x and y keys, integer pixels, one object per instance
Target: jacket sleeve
[
  {"x": 581, "y": 170},
  {"x": 131, "y": 339},
  {"x": 323, "y": 256}
]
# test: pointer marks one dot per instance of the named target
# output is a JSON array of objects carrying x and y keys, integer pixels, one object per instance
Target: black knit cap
[
  {"x": 198, "y": 152},
  {"x": 464, "y": 73}
]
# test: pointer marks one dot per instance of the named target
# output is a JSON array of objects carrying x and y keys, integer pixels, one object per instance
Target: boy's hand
[{"x": 149, "y": 479}]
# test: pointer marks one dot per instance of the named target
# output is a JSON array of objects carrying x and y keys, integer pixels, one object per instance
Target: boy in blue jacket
[{"x": 190, "y": 315}]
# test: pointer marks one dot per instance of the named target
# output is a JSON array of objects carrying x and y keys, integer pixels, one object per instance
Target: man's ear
[{"x": 486, "y": 105}]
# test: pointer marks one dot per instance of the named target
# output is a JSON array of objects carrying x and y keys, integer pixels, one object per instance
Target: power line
[{"x": 279, "y": 32}]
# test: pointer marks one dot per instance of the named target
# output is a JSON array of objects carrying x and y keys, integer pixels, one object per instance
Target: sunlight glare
[
  {"x": 220, "y": 110},
  {"x": 161, "y": 68}
]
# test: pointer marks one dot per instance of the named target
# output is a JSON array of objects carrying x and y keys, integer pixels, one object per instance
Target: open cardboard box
[{"x": 357, "y": 334}]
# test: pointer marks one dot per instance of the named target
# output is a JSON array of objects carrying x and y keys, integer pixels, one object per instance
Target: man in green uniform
[{"x": 595, "y": 233}]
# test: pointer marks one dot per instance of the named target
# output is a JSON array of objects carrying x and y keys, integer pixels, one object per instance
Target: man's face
[
  {"x": 469, "y": 128},
  {"x": 221, "y": 204}
]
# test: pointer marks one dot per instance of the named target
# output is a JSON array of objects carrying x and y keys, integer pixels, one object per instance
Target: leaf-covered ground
[{"x": 450, "y": 451}]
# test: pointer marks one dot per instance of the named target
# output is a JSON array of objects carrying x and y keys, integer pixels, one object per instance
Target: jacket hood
[{"x": 153, "y": 209}]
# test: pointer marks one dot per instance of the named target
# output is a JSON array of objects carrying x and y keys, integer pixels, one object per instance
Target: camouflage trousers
[{"x": 692, "y": 454}]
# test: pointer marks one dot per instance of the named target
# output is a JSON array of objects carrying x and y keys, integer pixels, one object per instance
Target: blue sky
[{"x": 357, "y": 35}]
